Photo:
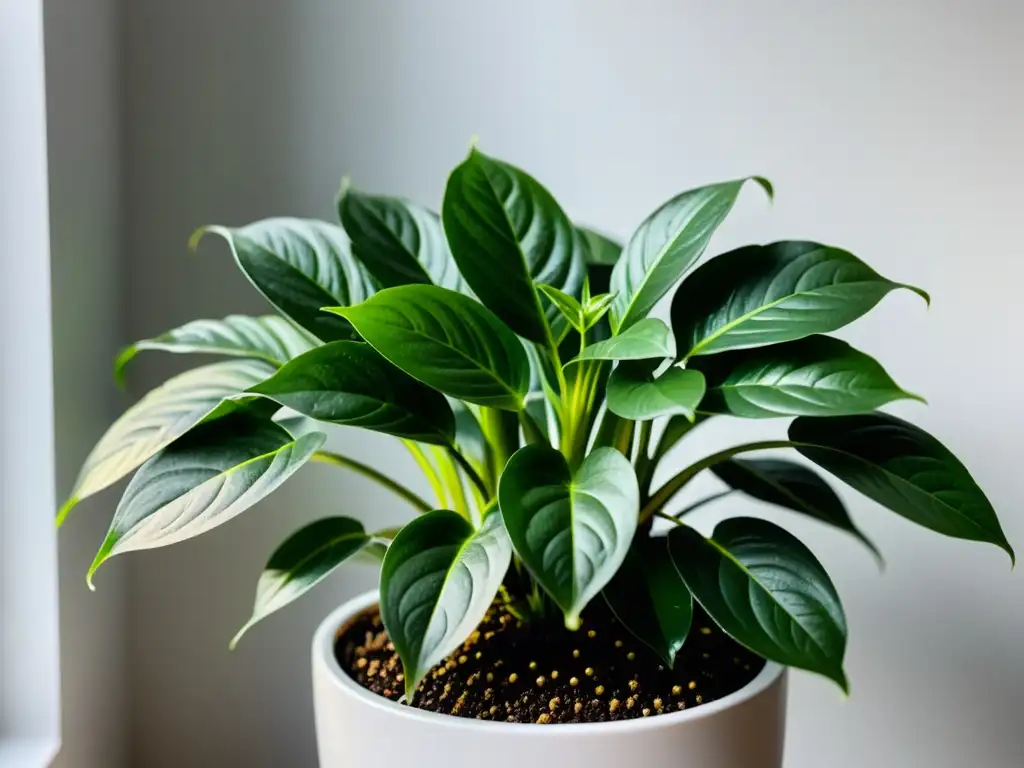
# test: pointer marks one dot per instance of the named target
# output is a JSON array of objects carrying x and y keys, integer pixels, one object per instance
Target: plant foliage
[{"x": 513, "y": 354}]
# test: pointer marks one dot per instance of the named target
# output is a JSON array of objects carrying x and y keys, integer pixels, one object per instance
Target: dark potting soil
[{"x": 543, "y": 673}]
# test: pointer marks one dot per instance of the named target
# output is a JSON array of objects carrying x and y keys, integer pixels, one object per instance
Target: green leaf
[
  {"x": 572, "y": 531},
  {"x": 270, "y": 338},
  {"x": 767, "y": 591},
  {"x": 159, "y": 418},
  {"x": 506, "y": 233},
  {"x": 634, "y": 393},
  {"x": 767, "y": 294},
  {"x": 306, "y": 558},
  {"x": 903, "y": 468},
  {"x": 568, "y": 305},
  {"x": 299, "y": 265},
  {"x": 651, "y": 600},
  {"x": 469, "y": 437},
  {"x": 816, "y": 376},
  {"x": 207, "y": 476},
  {"x": 350, "y": 383},
  {"x": 789, "y": 485},
  {"x": 437, "y": 582},
  {"x": 666, "y": 244},
  {"x": 648, "y": 339},
  {"x": 397, "y": 241},
  {"x": 596, "y": 308},
  {"x": 446, "y": 340},
  {"x": 600, "y": 254}
]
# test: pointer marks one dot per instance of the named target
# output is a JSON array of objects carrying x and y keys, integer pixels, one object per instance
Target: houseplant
[{"x": 515, "y": 357}]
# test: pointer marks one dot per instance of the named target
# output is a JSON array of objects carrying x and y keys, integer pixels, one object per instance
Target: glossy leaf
[
  {"x": 666, "y": 244},
  {"x": 397, "y": 241},
  {"x": 816, "y": 376},
  {"x": 767, "y": 591},
  {"x": 207, "y": 476},
  {"x": 438, "y": 579},
  {"x": 634, "y": 393},
  {"x": 507, "y": 233},
  {"x": 648, "y": 339},
  {"x": 903, "y": 468},
  {"x": 767, "y": 294},
  {"x": 299, "y": 265},
  {"x": 269, "y": 338},
  {"x": 159, "y": 418},
  {"x": 306, "y": 558},
  {"x": 350, "y": 383},
  {"x": 650, "y": 599},
  {"x": 446, "y": 340},
  {"x": 789, "y": 485},
  {"x": 572, "y": 530},
  {"x": 568, "y": 305}
]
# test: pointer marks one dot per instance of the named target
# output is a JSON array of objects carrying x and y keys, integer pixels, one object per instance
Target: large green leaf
[
  {"x": 397, "y": 241},
  {"x": 306, "y": 558},
  {"x": 634, "y": 393},
  {"x": 650, "y": 599},
  {"x": 507, "y": 233},
  {"x": 789, "y": 485},
  {"x": 157, "y": 419},
  {"x": 903, "y": 468},
  {"x": 766, "y": 294},
  {"x": 299, "y": 265},
  {"x": 350, "y": 383},
  {"x": 666, "y": 244},
  {"x": 767, "y": 591},
  {"x": 571, "y": 530},
  {"x": 648, "y": 339},
  {"x": 446, "y": 340},
  {"x": 438, "y": 579},
  {"x": 270, "y": 338},
  {"x": 207, "y": 476},
  {"x": 816, "y": 376}
]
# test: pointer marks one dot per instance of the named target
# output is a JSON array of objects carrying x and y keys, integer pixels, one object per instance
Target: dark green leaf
[
  {"x": 270, "y": 338},
  {"x": 306, "y": 558},
  {"x": 648, "y": 339},
  {"x": 767, "y": 591},
  {"x": 816, "y": 376},
  {"x": 506, "y": 233},
  {"x": 766, "y": 294},
  {"x": 572, "y": 531},
  {"x": 789, "y": 485},
  {"x": 159, "y": 418},
  {"x": 446, "y": 340},
  {"x": 668, "y": 242},
  {"x": 350, "y": 383},
  {"x": 634, "y": 393},
  {"x": 207, "y": 476},
  {"x": 397, "y": 241},
  {"x": 299, "y": 265},
  {"x": 903, "y": 468},
  {"x": 650, "y": 599},
  {"x": 437, "y": 582}
]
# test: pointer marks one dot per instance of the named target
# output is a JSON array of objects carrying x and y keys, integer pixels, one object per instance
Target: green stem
[
  {"x": 471, "y": 473},
  {"x": 501, "y": 436},
  {"x": 430, "y": 471},
  {"x": 642, "y": 460},
  {"x": 398, "y": 489},
  {"x": 452, "y": 481},
  {"x": 676, "y": 484},
  {"x": 700, "y": 503}
]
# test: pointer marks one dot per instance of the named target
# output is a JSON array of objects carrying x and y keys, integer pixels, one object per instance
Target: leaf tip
[
  {"x": 343, "y": 188},
  {"x": 120, "y": 362},
  {"x": 65, "y": 510},
  {"x": 474, "y": 140},
  {"x": 104, "y": 552},
  {"x": 766, "y": 185},
  {"x": 195, "y": 237},
  {"x": 238, "y": 635}
]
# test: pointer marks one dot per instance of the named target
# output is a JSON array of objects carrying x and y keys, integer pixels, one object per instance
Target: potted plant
[{"x": 534, "y": 613}]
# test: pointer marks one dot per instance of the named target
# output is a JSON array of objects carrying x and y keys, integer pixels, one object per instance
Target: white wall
[
  {"x": 83, "y": 116},
  {"x": 893, "y": 129}
]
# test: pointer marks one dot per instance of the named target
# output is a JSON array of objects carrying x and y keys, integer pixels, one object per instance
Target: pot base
[{"x": 356, "y": 728}]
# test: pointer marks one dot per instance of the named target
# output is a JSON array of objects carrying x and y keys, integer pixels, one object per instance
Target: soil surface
[{"x": 542, "y": 673}]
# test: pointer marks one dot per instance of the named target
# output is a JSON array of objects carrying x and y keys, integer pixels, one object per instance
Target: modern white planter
[{"x": 358, "y": 729}]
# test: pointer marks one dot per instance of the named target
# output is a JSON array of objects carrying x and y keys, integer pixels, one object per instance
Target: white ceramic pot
[{"x": 358, "y": 729}]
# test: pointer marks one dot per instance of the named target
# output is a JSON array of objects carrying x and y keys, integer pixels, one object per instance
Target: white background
[{"x": 893, "y": 129}]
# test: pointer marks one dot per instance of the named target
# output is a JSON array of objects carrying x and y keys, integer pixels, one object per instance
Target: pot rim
[{"x": 324, "y": 658}]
